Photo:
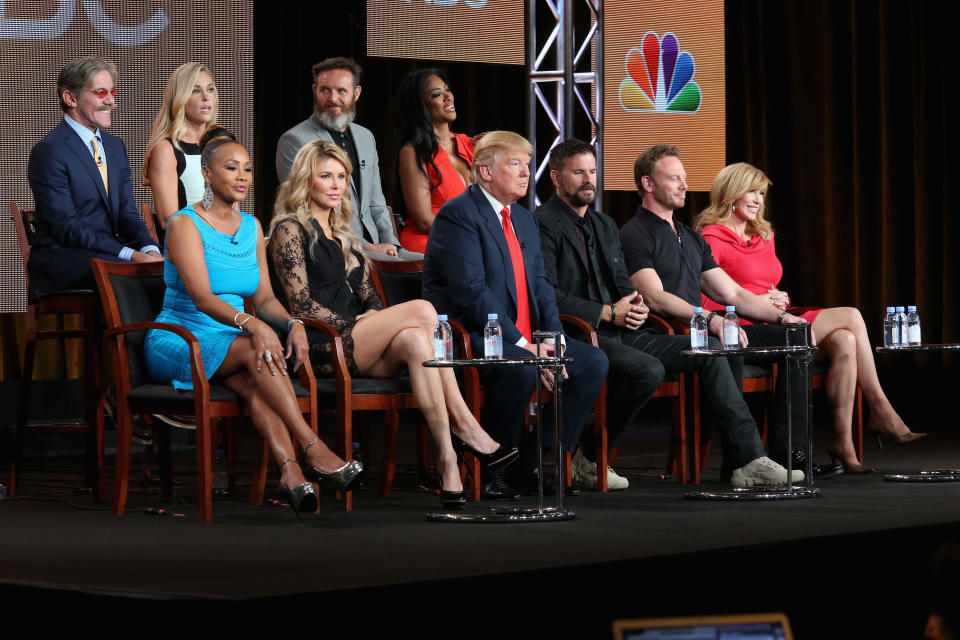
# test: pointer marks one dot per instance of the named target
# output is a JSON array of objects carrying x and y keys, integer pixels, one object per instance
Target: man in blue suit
[
  {"x": 80, "y": 177},
  {"x": 483, "y": 256}
]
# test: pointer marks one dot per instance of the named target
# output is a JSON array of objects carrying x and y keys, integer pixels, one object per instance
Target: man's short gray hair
[{"x": 78, "y": 74}]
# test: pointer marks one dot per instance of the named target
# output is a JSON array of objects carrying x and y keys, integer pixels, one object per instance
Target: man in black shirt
[{"x": 670, "y": 264}]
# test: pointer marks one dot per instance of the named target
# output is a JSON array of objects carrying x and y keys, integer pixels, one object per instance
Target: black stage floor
[{"x": 848, "y": 564}]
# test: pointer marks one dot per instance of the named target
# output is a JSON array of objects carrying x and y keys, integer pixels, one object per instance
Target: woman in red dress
[
  {"x": 434, "y": 163},
  {"x": 741, "y": 240}
]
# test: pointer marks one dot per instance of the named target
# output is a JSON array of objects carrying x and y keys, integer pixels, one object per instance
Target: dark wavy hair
[{"x": 413, "y": 123}]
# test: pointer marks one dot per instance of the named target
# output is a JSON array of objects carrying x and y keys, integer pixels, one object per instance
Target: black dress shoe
[
  {"x": 827, "y": 471},
  {"x": 822, "y": 472},
  {"x": 495, "y": 488},
  {"x": 549, "y": 486}
]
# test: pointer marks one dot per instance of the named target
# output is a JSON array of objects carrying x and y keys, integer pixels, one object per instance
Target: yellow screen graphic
[
  {"x": 663, "y": 83},
  {"x": 458, "y": 30}
]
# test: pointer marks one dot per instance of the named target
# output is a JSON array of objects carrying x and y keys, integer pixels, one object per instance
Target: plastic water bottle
[
  {"x": 731, "y": 329},
  {"x": 698, "y": 330},
  {"x": 902, "y": 325},
  {"x": 492, "y": 338},
  {"x": 442, "y": 339},
  {"x": 913, "y": 327},
  {"x": 891, "y": 329}
]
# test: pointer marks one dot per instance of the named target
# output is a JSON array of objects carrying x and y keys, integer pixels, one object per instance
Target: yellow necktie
[{"x": 102, "y": 167}]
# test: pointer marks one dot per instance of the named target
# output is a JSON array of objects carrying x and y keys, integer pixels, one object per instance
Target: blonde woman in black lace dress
[{"x": 318, "y": 271}]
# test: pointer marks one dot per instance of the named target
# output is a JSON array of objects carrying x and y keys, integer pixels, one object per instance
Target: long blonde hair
[
  {"x": 731, "y": 184},
  {"x": 293, "y": 199},
  {"x": 171, "y": 120}
]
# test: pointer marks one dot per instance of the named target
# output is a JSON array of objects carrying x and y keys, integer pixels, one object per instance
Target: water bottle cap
[
  {"x": 899, "y": 309},
  {"x": 442, "y": 317},
  {"x": 698, "y": 310},
  {"x": 912, "y": 309},
  {"x": 891, "y": 309},
  {"x": 731, "y": 308},
  {"x": 491, "y": 316}
]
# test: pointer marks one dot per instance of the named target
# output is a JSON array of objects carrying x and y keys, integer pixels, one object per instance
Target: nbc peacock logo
[{"x": 659, "y": 77}]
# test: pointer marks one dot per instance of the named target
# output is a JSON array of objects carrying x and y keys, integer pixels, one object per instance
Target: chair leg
[
  {"x": 204, "y": 467},
  {"x": 599, "y": 439},
  {"x": 473, "y": 469},
  {"x": 23, "y": 412},
  {"x": 677, "y": 464},
  {"x": 344, "y": 444},
  {"x": 121, "y": 481},
  {"x": 92, "y": 397},
  {"x": 391, "y": 433}
]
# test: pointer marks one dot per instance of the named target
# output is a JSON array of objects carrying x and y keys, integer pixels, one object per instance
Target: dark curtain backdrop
[{"x": 845, "y": 105}]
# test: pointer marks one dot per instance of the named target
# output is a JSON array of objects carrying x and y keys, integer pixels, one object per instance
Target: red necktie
[{"x": 519, "y": 275}]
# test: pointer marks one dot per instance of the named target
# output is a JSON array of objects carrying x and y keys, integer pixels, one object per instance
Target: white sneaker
[
  {"x": 585, "y": 474},
  {"x": 616, "y": 482},
  {"x": 762, "y": 472}
]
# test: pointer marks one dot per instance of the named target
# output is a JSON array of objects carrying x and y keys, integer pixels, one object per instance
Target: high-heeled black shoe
[
  {"x": 342, "y": 479},
  {"x": 499, "y": 459},
  {"x": 451, "y": 500},
  {"x": 302, "y": 498},
  {"x": 849, "y": 467}
]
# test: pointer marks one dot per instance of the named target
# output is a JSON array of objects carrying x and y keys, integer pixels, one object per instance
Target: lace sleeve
[
  {"x": 367, "y": 294},
  {"x": 289, "y": 264}
]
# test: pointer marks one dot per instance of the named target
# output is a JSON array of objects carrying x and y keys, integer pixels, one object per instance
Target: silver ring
[{"x": 267, "y": 357}]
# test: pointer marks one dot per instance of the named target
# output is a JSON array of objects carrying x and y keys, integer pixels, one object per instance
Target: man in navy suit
[
  {"x": 80, "y": 177},
  {"x": 484, "y": 257}
]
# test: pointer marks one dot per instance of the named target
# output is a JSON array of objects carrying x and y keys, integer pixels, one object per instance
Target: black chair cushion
[
  {"x": 367, "y": 386},
  {"x": 181, "y": 401}
]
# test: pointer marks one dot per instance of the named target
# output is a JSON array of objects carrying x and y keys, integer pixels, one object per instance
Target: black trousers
[
  {"x": 767, "y": 335},
  {"x": 508, "y": 391},
  {"x": 639, "y": 361}
]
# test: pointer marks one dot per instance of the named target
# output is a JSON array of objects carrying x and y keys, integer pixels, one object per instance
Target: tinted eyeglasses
[{"x": 102, "y": 93}]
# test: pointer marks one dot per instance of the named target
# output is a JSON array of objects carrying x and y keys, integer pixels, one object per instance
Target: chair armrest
[
  {"x": 679, "y": 327},
  {"x": 201, "y": 384},
  {"x": 462, "y": 337},
  {"x": 339, "y": 360},
  {"x": 664, "y": 326},
  {"x": 581, "y": 325}
]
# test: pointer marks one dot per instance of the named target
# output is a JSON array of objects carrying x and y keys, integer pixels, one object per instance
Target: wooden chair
[
  {"x": 343, "y": 394},
  {"x": 398, "y": 282},
  {"x": 673, "y": 387},
  {"x": 152, "y": 223},
  {"x": 82, "y": 302},
  {"x": 132, "y": 295}
]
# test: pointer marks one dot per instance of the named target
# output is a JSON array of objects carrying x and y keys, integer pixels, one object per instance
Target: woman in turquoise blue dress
[{"x": 216, "y": 258}]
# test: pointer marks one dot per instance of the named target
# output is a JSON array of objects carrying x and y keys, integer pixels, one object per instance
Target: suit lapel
[
  {"x": 364, "y": 178},
  {"x": 115, "y": 159},
  {"x": 495, "y": 228},
  {"x": 85, "y": 156}
]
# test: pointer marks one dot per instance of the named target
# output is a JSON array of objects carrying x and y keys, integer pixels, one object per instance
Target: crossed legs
[
  {"x": 843, "y": 340},
  {"x": 402, "y": 336},
  {"x": 274, "y": 411}
]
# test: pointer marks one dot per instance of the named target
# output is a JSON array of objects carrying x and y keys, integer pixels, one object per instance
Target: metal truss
[{"x": 566, "y": 93}]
